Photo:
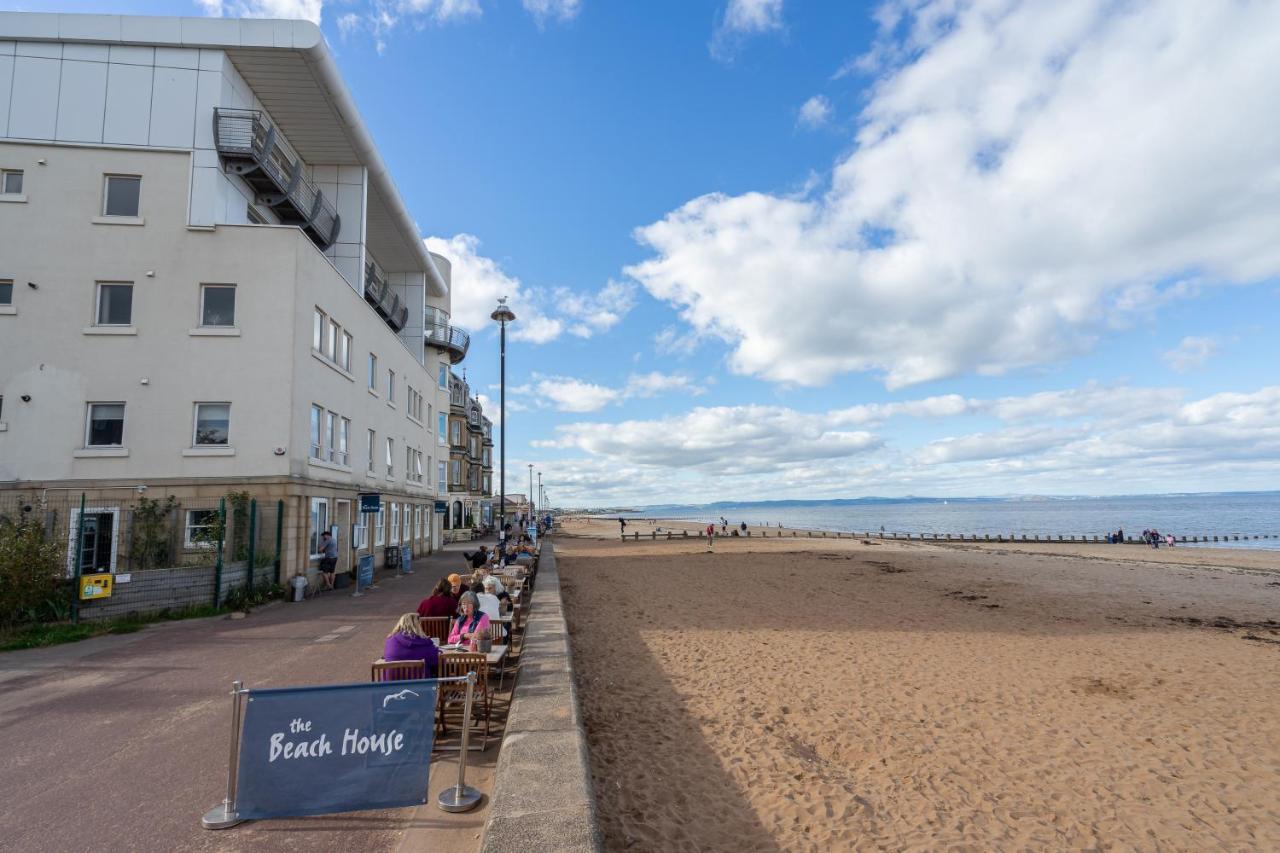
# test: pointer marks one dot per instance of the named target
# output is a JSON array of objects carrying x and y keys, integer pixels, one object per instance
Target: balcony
[
  {"x": 448, "y": 339},
  {"x": 384, "y": 299},
  {"x": 249, "y": 147}
]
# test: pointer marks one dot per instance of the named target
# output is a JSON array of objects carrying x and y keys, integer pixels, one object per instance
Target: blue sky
[{"x": 770, "y": 248}]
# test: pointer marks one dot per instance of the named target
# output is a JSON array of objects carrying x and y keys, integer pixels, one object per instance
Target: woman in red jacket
[{"x": 439, "y": 603}]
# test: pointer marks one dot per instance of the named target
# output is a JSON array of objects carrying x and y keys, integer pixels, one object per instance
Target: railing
[
  {"x": 254, "y": 150},
  {"x": 451, "y": 339},
  {"x": 383, "y": 298}
]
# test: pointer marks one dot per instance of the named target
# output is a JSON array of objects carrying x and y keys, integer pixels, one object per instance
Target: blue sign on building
[
  {"x": 370, "y": 502},
  {"x": 335, "y": 748},
  {"x": 364, "y": 572}
]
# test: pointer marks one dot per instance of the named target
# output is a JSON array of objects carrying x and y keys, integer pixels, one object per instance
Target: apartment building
[
  {"x": 470, "y": 466},
  {"x": 209, "y": 281}
]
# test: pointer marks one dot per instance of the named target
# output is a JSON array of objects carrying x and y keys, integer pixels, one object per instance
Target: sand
[{"x": 834, "y": 695}]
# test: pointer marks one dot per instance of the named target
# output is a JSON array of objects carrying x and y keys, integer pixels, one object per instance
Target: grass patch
[{"x": 42, "y": 634}]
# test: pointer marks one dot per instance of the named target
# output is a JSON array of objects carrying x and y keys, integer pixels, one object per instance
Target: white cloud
[
  {"x": 1022, "y": 181},
  {"x": 815, "y": 112},
  {"x": 567, "y": 394},
  {"x": 742, "y": 19},
  {"x": 1190, "y": 354},
  {"x": 479, "y": 281},
  {"x": 574, "y": 395},
  {"x": 652, "y": 384},
  {"x": 552, "y": 10},
  {"x": 308, "y": 10}
]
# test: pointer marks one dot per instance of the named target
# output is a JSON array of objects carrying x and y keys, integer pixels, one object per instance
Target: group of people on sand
[{"x": 1154, "y": 538}]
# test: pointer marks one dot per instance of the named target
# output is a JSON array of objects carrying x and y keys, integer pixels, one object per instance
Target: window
[
  {"x": 201, "y": 528},
  {"x": 380, "y": 536},
  {"x": 395, "y": 523},
  {"x": 417, "y": 465},
  {"x": 217, "y": 305},
  {"x": 213, "y": 422},
  {"x": 457, "y": 433},
  {"x": 457, "y": 473},
  {"x": 319, "y": 524},
  {"x": 331, "y": 342},
  {"x": 440, "y": 478},
  {"x": 427, "y": 469},
  {"x": 6, "y": 292},
  {"x": 317, "y": 330},
  {"x": 373, "y": 372},
  {"x": 373, "y": 437},
  {"x": 407, "y": 522},
  {"x": 115, "y": 304},
  {"x": 105, "y": 427},
  {"x": 344, "y": 352},
  {"x": 417, "y": 522},
  {"x": 444, "y": 377},
  {"x": 317, "y": 448},
  {"x": 391, "y": 386},
  {"x": 442, "y": 430},
  {"x": 391, "y": 465},
  {"x": 408, "y": 402},
  {"x": 429, "y": 416},
  {"x": 11, "y": 182},
  {"x": 408, "y": 463},
  {"x": 344, "y": 430},
  {"x": 329, "y": 418},
  {"x": 120, "y": 197}
]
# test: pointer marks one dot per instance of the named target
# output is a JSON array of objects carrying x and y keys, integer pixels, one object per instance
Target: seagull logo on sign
[{"x": 403, "y": 694}]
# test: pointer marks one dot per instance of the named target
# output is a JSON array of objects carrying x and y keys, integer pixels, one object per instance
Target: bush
[{"x": 30, "y": 572}]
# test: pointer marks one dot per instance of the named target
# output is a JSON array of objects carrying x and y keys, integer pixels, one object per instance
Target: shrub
[{"x": 30, "y": 572}]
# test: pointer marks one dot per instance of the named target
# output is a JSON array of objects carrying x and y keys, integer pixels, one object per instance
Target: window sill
[
  {"x": 373, "y": 393},
  {"x": 391, "y": 404},
  {"x": 14, "y": 198},
  {"x": 331, "y": 466},
  {"x": 118, "y": 220},
  {"x": 390, "y": 479},
  {"x": 416, "y": 421},
  {"x": 337, "y": 368},
  {"x": 4, "y": 427},
  {"x": 214, "y": 332},
  {"x": 209, "y": 451},
  {"x": 100, "y": 452},
  {"x": 8, "y": 309},
  {"x": 109, "y": 330}
]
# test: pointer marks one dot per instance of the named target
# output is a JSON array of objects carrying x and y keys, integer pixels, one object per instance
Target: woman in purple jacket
[{"x": 409, "y": 642}]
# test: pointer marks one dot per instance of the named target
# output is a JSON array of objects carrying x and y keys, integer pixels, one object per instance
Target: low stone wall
[{"x": 542, "y": 798}]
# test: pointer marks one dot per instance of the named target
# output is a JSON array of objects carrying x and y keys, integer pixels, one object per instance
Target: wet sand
[{"x": 801, "y": 694}]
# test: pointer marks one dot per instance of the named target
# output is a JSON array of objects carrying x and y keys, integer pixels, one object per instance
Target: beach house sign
[{"x": 336, "y": 748}]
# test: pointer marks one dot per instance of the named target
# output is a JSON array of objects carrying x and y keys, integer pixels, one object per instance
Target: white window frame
[
  {"x": 406, "y": 525},
  {"x": 189, "y": 543},
  {"x": 319, "y": 321},
  {"x": 332, "y": 333},
  {"x": 97, "y": 304},
  {"x": 380, "y": 535},
  {"x": 391, "y": 458},
  {"x": 329, "y": 434},
  {"x": 372, "y": 459},
  {"x": 88, "y": 421},
  {"x": 4, "y": 181},
  {"x": 417, "y": 522},
  {"x": 106, "y": 192},
  {"x": 442, "y": 477},
  {"x": 346, "y": 341},
  {"x": 317, "y": 431},
  {"x": 391, "y": 385},
  {"x": 343, "y": 452},
  {"x": 204, "y": 288},
  {"x": 313, "y": 540},
  {"x": 195, "y": 425},
  {"x": 455, "y": 472},
  {"x": 373, "y": 373},
  {"x": 442, "y": 429},
  {"x": 395, "y": 524}
]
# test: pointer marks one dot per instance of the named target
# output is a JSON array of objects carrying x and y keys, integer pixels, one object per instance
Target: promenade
[{"x": 120, "y": 742}]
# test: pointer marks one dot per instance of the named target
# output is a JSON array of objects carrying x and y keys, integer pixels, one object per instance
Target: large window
[
  {"x": 344, "y": 352},
  {"x": 217, "y": 305},
  {"x": 406, "y": 524},
  {"x": 340, "y": 454},
  {"x": 456, "y": 479},
  {"x": 391, "y": 458},
  {"x": 457, "y": 433},
  {"x": 201, "y": 528},
  {"x": 440, "y": 478},
  {"x": 373, "y": 372},
  {"x": 417, "y": 522},
  {"x": 105, "y": 427},
  {"x": 115, "y": 304},
  {"x": 380, "y": 532},
  {"x": 120, "y": 195},
  {"x": 444, "y": 377},
  {"x": 317, "y": 441},
  {"x": 213, "y": 425},
  {"x": 319, "y": 524},
  {"x": 328, "y": 339},
  {"x": 395, "y": 523},
  {"x": 11, "y": 182},
  {"x": 442, "y": 429}
]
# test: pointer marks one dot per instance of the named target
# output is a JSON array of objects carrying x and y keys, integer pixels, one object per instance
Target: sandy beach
[{"x": 811, "y": 694}]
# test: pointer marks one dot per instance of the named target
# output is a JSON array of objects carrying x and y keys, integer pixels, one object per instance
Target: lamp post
[
  {"x": 503, "y": 315},
  {"x": 540, "y": 501},
  {"x": 530, "y": 493}
]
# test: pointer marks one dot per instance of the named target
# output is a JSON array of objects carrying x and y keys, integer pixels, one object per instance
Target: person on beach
[
  {"x": 711, "y": 535},
  {"x": 407, "y": 641},
  {"x": 622, "y": 526},
  {"x": 472, "y": 624},
  {"x": 440, "y": 602}
]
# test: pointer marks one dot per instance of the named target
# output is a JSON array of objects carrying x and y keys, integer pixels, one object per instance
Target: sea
[{"x": 1243, "y": 514}]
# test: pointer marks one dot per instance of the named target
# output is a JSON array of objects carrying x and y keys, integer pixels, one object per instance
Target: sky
[{"x": 764, "y": 249}]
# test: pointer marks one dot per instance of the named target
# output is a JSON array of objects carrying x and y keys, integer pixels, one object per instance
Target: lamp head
[{"x": 503, "y": 313}]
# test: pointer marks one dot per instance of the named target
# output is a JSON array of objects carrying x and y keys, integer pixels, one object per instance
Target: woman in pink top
[{"x": 472, "y": 624}]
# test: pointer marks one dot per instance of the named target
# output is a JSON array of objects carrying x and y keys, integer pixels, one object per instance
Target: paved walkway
[{"x": 120, "y": 742}]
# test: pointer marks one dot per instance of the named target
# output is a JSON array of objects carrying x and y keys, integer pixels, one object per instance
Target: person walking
[
  {"x": 622, "y": 526},
  {"x": 328, "y": 559},
  {"x": 711, "y": 535}
]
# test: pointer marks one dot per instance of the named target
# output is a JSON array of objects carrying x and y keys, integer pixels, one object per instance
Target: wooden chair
[
  {"x": 436, "y": 626},
  {"x": 453, "y": 695},
  {"x": 397, "y": 670}
]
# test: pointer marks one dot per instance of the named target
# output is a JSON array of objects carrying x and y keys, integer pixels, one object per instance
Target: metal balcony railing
[
  {"x": 250, "y": 147},
  {"x": 384, "y": 299},
  {"x": 448, "y": 338}
]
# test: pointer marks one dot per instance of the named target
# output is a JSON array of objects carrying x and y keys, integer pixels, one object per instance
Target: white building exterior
[{"x": 209, "y": 281}]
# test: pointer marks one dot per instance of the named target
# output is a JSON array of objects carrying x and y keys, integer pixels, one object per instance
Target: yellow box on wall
[{"x": 95, "y": 586}]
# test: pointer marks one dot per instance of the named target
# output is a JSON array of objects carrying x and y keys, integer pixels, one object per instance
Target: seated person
[
  {"x": 408, "y": 642},
  {"x": 494, "y": 586},
  {"x": 489, "y": 603},
  {"x": 440, "y": 602},
  {"x": 472, "y": 623},
  {"x": 456, "y": 587},
  {"x": 477, "y": 559},
  {"x": 477, "y": 580}
]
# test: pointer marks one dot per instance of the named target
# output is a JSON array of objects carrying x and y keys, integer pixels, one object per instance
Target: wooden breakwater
[{"x": 654, "y": 535}]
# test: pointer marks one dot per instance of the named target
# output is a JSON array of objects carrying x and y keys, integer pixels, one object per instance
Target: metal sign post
[
  {"x": 223, "y": 815},
  {"x": 460, "y": 797}
]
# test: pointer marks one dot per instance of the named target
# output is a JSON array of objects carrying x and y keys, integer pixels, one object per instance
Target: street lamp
[
  {"x": 503, "y": 315},
  {"x": 530, "y": 491},
  {"x": 540, "y": 501}
]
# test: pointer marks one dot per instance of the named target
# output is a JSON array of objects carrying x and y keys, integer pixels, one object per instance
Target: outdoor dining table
[{"x": 497, "y": 652}]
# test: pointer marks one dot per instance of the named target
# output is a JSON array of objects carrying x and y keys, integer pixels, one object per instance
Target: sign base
[
  {"x": 458, "y": 798},
  {"x": 220, "y": 817}
]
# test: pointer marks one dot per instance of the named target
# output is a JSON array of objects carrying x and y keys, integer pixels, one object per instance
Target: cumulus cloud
[
  {"x": 815, "y": 112},
  {"x": 1190, "y": 354},
  {"x": 479, "y": 281},
  {"x": 1022, "y": 174},
  {"x": 308, "y": 10},
  {"x": 742, "y": 19},
  {"x": 567, "y": 394},
  {"x": 544, "y": 11}
]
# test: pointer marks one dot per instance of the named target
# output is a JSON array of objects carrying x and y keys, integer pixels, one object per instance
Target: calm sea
[{"x": 1181, "y": 515}]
